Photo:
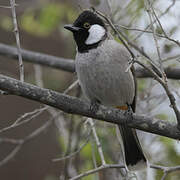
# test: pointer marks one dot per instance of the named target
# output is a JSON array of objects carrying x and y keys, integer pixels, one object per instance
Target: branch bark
[
  {"x": 16, "y": 32},
  {"x": 74, "y": 105},
  {"x": 68, "y": 64},
  {"x": 38, "y": 58}
]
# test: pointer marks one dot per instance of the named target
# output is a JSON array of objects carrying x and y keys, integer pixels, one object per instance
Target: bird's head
[{"x": 88, "y": 30}]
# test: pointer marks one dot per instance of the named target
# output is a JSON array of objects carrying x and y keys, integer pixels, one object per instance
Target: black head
[{"x": 88, "y": 31}]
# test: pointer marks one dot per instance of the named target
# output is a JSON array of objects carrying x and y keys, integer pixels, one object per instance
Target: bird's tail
[{"x": 134, "y": 157}]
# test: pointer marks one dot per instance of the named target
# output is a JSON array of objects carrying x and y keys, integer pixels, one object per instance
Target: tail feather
[{"x": 134, "y": 157}]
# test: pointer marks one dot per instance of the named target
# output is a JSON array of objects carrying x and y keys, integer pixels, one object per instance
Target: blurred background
[{"x": 41, "y": 29}]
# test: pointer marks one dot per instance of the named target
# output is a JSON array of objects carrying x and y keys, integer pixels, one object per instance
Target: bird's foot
[
  {"x": 94, "y": 107},
  {"x": 129, "y": 112}
]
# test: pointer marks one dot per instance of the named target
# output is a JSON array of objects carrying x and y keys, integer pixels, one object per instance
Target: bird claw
[
  {"x": 129, "y": 112},
  {"x": 94, "y": 107}
]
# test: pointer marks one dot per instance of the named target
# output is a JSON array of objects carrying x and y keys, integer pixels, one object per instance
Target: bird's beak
[{"x": 71, "y": 28}]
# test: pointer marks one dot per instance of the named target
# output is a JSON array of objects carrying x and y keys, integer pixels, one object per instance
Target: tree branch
[
  {"x": 171, "y": 73},
  {"x": 68, "y": 64},
  {"x": 16, "y": 32},
  {"x": 76, "y": 106},
  {"x": 92, "y": 171},
  {"x": 38, "y": 58}
]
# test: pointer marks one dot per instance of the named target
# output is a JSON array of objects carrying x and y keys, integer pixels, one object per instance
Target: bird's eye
[{"x": 86, "y": 25}]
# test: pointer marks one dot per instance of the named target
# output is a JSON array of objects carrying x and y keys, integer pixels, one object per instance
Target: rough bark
[{"x": 74, "y": 105}]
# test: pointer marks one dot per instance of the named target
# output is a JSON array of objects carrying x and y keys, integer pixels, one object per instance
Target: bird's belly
[{"x": 106, "y": 83}]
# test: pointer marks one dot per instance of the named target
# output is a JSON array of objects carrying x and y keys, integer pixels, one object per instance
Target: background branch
[
  {"x": 68, "y": 64},
  {"x": 38, "y": 58}
]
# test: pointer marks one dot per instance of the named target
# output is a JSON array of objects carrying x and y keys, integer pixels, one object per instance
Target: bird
[{"x": 101, "y": 63}]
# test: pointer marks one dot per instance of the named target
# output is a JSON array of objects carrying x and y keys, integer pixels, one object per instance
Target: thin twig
[
  {"x": 164, "y": 175},
  {"x": 115, "y": 31},
  {"x": 91, "y": 122},
  {"x": 11, "y": 141},
  {"x": 166, "y": 36},
  {"x": 148, "y": 31},
  {"x": 25, "y": 116},
  {"x": 16, "y": 31},
  {"x": 94, "y": 161},
  {"x": 149, "y": 11},
  {"x": 97, "y": 170},
  {"x": 11, "y": 155},
  {"x": 18, "y": 122},
  {"x": 73, "y": 85},
  {"x": 38, "y": 74},
  {"x": 176, "y": 57},
  {"x": 25, "y": 140},
  {"x": 168, "y": 92},
  {"x": 119, "y": 34},
  {"x": 39, "y": 81},
  {"x": 161, "y": 15},
  {"x": 165, "y": 169},
  {"x": 75, "y": 152},
  {"x": 6, "y": 7},
  {"x": 157, "y": 19}
]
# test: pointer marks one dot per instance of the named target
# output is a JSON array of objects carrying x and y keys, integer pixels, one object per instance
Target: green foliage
[
  {"x": 141, "y": 84},
  {"x": 167, "y": 48},
  {"x": 117, "y": 39},
  {"x": 172, "y": 155},
  {"x": 62, "y": 143},
  {"x": 172, "y": 158},
  {"x": 161, "y": 116},
  {"x": 159, "y": 30},
  {"x": 135, "y": 8},
  {"x": 51, "y": 177},
  {"x": 173, "y": 30},
  {"x": 6, "y": 23},
  {"x": 47, "y": 19},
  {"x": 95, "y": 2},
  {"x": 87, "y": 151},
  {"x": 90, "y": 177},
  {"x": 159, "y": 174}
]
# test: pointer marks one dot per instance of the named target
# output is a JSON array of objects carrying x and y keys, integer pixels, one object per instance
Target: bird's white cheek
[{"x": 96, "y": 32}]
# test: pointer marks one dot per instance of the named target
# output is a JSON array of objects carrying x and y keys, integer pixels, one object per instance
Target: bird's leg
[
  {"x": 129, "y": 112},
  {"x": 94, "y": 107}
]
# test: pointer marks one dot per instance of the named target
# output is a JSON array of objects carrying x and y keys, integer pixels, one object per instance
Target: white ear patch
[{"x": 96, "y": 32}]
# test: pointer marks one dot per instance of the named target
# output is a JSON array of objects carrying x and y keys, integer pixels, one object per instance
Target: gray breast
[{"x": 102, "y": 75}]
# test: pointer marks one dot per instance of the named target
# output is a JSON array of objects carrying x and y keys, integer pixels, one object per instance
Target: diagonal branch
[{"x": 76, "y": 106}]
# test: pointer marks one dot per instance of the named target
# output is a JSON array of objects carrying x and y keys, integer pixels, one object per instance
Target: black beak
[{"x": 71, "y": 28}]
